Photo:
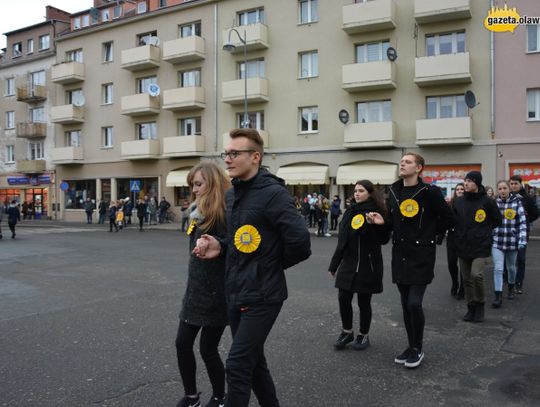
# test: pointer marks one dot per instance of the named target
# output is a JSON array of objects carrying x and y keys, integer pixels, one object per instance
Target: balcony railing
[
  {"x": 67, "y": 114},
  {"x": 32, "y": 130},
  {"x": 31, "y": 93},
  {"x": 369, "y": 76},
  {"x": 233, "y": 91},
  {"x": 30, "y": 166},
  {"x": 67, "y": 72},
  {"x": 139, "y": 58},
  {"x": 371, "y": 16},
  {"x": 67, "y": 155},
  {"x": 442, "y": 69},
  {"x": 370, "y": 135},
  {"x": 447, "y": 131},
  {"x": 432, "y": 11},
  {"x": 184, "y": 98},
  {"x": 140, "y": 149},
  {"x": 182, "y": 50},
  {"x": 139, "y": 104},
  {"x": 256, "y": 37},
  {"x": 183, "y": 146}
]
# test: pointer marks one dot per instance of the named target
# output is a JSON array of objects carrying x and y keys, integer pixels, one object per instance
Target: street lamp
[{"x": 230, "y": 47}]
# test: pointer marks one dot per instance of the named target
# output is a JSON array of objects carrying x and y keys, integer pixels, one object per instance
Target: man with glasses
[{"x": 266, "y": 235}]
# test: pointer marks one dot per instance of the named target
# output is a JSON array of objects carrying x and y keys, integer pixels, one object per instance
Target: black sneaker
[
  {"x": 216, "y": 402},
  {"x": 361, "y": 342},
  {"x": 189, "y": 402},
  {"x": 415, "y": 358},
  {"x": 401, "y": 359},
  {"x": 518, "y": 289},
  {"x": 343, "y": 340}
]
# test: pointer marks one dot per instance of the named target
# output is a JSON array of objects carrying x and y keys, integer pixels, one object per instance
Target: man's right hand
[{"x": 207, "y": 247}]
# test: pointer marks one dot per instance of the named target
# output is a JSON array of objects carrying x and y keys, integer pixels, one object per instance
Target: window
[
  {"x": 10, "y": 87},
  {"x": 107, "y": 93},
  {"x": 105, "y": 15},
  {"x": 442, "y": 44},
  {"x": 190, "y": 78},
  {"x": 77, "y": 23},
  {"x": 10, "y": 154},
  {"x": 44, "y": 42},
  {"x": 37, "y": 115},
  {"x": 441, "y": 107},
  {"x": 75, "y": 55},
  {"x": 143, "y": 83},
  {"x": 78, "y": 191},
  {"x": 255, "y": 69},
  {"x": 85, "y": 20},
  {"x": 141, "y": 7},
  {"x": 362, "y": 1},
  {"x": 190, "y": 126},
  {"x": 371, "y": 52},
  {"x": 372, "y": 112},
  {"x": 37, "y": 78},
  {"x": 251, "y": 16},
  {"x": 533, "y": 104},
  {"x": 107, "y": 133},
  {"x": 146, "y": 38},
  {"x": 74, "y": 96},
  {"x": 94, "y": 15},
  {"x": 308, "y": 10},
  {"x": 190, "y": 30},
  {"x": 256, "y": 120},
  {"x": 36, "y": 151},
  {"x": 16, "y": 50},
  {"x": 309, "y": 119},
  {"x": 73, "y": 138},
  {"x": 108, "y": 51},
  {"x": 533, "y": 38},
  {"x": 30, "y": 46},
  {"x": 117, "y": 12},
  {"x": 162, "y": 3},
  {"x": 308, "y": 64},
  {"x": 146, "y": 131},
  {"x": 10, "y": 120}
]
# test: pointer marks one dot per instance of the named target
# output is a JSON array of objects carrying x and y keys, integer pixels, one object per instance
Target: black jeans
[
  {"x": 346, "y": 310},
  {"x": 520, "y": 265},
  {"x": 413, "y": 314},
  {"x": 185, "y": 222},
  {"x": 455, "y": 275},
  {"x": 333, "y": 222},
  {"x": 246, "y": 365},
  {"x": 89, "y": 217},
  {"x": 112, "y": 222},
  {"x": 208, "y": 347},
  {"x": 141, "y": 221}
]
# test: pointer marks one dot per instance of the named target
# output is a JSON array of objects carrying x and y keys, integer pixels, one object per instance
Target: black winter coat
[
  {"x": 255, "y": 275},
  {"x": 414, "y": 237},
  {"x": 476, "y": 217},
  {"x": 358, "y": 257}
]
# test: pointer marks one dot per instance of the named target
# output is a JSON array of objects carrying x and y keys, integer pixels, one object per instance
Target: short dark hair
[
  {"x": 418, "y": 159},
  {"x": 516, "y": 178},
  {"x": 252, "y": 135}
]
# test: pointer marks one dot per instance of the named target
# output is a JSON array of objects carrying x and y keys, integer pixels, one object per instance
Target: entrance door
[{"x": 39, "y": 197}]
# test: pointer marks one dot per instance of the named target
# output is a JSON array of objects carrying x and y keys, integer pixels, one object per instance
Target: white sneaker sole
[{"x": 415, "y": 364}]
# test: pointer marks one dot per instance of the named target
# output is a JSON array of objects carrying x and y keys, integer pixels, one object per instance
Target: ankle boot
[
  {"x": 497, "y": 302},
  {"x": 511, "y": 291},
  {"x": 469, "y": 316},
  {"x": 479, "y": 313}
]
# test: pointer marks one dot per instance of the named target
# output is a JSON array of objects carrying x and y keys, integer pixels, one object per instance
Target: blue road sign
[{"x": 134, "y": 185}]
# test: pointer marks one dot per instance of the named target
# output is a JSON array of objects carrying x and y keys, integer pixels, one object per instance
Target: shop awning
[
  {"x": 378, "y": 173},
  {"x": 177, "y": 178},
  {"x": 304, "y": 174}
]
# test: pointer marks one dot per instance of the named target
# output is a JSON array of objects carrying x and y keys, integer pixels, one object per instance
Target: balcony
[
  {"x": 449, "y": 131},
  {"x": 139, "y": 58},
  {"x": 370, "y": 16},
  {"x": 233, "y": 91},
  {"x": 140, "y": 104},
  {"x": 31, "y": 94},
  {"x": 447, "y": 69},
  {"x": 370, "y": 135},
  {"x": 67, "y": 155},
  {"x": 256, "y": 37},
  {"x": 140, "y": 149},
  {"x": 369, "y": 76},
  {"x": 184, "y": 99},
  {"x": 30, "y": 166},
  {"x": 67, "y": 114},
  {"x": 433, "y": 11},
  {"x": 67, "y": 72},
  {"x": 186, "y": 49},
  {"x": 183, "y": 146},
  {"x": 262, "y": 133},
  {"x": 32, "y": 130}
]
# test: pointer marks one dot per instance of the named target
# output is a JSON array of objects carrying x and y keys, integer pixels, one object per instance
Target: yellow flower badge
[
  {"x": 247, "y": 239},
  {"x": 191, "y": 227},
  {"x": 409, "y": 208},
  {"x": 509, "y": 214},
  {"x": 358, "y": 221},
  {"x": 480, "y": 216}
]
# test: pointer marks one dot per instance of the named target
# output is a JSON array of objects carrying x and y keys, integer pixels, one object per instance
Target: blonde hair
[{"x": 211, "y": 202}]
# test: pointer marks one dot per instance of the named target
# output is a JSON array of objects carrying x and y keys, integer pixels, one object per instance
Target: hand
[
  {"x": 332, "y": 274},
  {"x": 521, "y": 246},
  {"x": 207, "y": 247},
  {"x": 375, "y": 218}
]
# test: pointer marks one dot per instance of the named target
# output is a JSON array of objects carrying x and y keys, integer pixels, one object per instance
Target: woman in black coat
[{"x": 357, "y": 264}]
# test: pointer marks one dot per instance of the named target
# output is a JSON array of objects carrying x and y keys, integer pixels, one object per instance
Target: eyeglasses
[{"x": 234, "y": 153}]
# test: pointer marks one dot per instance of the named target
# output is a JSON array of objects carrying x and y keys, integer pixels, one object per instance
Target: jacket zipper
[
  {"x": 421, "y": 216},
  {"x": 358, "y": 262},
  {"x": 371, "y": 263}
]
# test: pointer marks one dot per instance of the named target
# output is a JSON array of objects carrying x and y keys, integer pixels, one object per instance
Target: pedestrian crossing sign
[{"x": 135, "y": 185}]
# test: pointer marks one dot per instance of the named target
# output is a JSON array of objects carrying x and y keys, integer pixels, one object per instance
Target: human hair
[
  {"x": 459, "y": 184},
  {"x": 374, "y": 194},
  {"x": 516, "y": 178},
  {"x": 503, "y": 181},
  {"x": 418, "y": 159},
  {"x": 211, "y": 202},
  {"x": 253, "y": 136}
]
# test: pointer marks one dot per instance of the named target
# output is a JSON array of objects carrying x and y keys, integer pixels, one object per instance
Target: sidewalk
[{"x": 43, "y": 223}]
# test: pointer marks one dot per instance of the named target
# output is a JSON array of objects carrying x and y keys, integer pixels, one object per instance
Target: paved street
[{"x": 88, "y": 318}]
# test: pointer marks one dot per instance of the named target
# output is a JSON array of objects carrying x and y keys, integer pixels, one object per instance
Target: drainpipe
[
  {"x": 216, "y": 77},
  {"x": 492, "y": 58}
]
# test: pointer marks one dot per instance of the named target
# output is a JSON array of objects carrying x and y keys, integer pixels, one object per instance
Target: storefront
[
  {"x": 447, "y": 176},
  {"x": 529, "y": 172},
  {"x": 34, "y": 190},
  {"x": 305, "y": 179}
]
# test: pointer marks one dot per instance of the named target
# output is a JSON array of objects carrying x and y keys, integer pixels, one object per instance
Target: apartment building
[
  {"x": 26, "y": 135},
  {"x": 517, "y": 98}
]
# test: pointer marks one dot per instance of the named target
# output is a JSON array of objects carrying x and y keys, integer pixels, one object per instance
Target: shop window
[{"x": 77, "y": 193}]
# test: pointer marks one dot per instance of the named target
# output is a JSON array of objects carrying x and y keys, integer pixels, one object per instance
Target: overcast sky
[{"x": 17, "y": 14}]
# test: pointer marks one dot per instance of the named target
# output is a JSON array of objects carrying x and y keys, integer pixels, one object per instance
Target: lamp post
[{"x": 229, "y": 46}]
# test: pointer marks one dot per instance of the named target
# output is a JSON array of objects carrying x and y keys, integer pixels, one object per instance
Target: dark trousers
[
  {"x": 185, "y": 222},
  {"x": 12, "y": 228},
  {"x": 208, "y": 347},
  {"x": 346, "y": 310},
  {"x": 88, "y": 217},
  {"x": 141, "y": 221},
  {"x": 333, "y": 222},
  {"x": 520, "y": 272},
  {"x": 455, "y": 275},
  {"x": 101, "y": 219},
  {"x": 246, "y": 365},
  {"x": 312, "y": 220},
  {"x": 413, "y": 314},
  {"x": 112, "y": 222}
]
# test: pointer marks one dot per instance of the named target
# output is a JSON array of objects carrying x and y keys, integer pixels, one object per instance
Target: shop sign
[
  {"x": 529, "y": 172},
  {"x": 42, "y": 179},
  {"x": 447, "y": 174}
]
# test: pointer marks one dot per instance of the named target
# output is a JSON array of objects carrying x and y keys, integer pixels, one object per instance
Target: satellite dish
[
  {"x": 391, "y": 54},
  {"x": 343, "y": 116},
  {"x": 153, "y": 89},
  {"x": 153, "y": 41},
  {"x": 470, "y": 99},
  {"x": 79, "y": 101}
]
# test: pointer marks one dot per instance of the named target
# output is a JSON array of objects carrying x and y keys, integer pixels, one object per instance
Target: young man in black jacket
[
  {"x": 266, "y": 235},
  {"x": 418, "y": 214}
]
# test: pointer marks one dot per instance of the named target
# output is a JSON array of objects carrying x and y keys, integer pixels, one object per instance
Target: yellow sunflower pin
[
  {"x": 409, "y": 208},
  {"x": 358, "y": 221},
  {"x": 191, "y": 227},
  {"x": 480, "y": 215},
  {"x": 509, "y": 213},
  {"x": 247, "y": 239}
]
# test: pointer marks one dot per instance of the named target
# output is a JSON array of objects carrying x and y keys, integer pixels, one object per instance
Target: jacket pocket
[{"x": 250, "y": 284}]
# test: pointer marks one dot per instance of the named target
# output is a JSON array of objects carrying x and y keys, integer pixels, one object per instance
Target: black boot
[
  {"x": 497, "y": 302},
  {"x": 479, "y": 313},
  {"x": 511, "y": 291},
  {"x": 469, "y": 316}
]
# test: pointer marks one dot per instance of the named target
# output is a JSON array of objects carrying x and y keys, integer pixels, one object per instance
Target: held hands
[
  {"x": 375, "y": 218},
  {"x": 521, "y": 246},
  {"x": 207, "y": 247}
]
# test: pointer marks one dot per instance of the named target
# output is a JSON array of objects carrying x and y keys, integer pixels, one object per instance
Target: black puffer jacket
[
  {"x": 476, "y": 217},
  {"x": 413, "y": 249},
  {"x": 204, "y": 300},
  {"x": 358, "y": 258},
  {"x": 264, "y": 203}
]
